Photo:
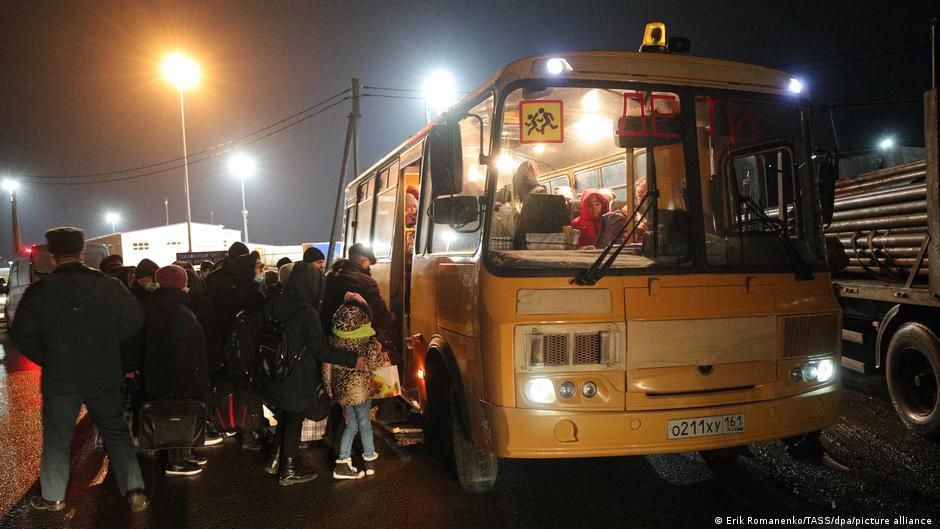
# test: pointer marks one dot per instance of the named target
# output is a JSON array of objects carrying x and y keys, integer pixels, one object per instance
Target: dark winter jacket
[
  {"x": 72, "y": 323},
  {"x": 231, "y": 289},
  {"x": 352, "y": 278},
  {"x": 295, "y": 309},
  {"x": 175, "y": 363}
]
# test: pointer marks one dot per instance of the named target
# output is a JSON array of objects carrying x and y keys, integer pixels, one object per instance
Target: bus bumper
[{"x": 527, "y": 433}]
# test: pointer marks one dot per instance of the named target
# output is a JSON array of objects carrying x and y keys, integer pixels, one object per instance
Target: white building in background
[{"x": 162, "y": 243}]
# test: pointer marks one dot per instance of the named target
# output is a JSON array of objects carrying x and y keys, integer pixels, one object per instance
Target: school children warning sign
[{"x": 541, "y": 121}]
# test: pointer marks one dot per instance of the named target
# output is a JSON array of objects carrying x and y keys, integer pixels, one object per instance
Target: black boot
[
  {"x": 291, "y": 472},
  {"x": 275, "y": 460}
]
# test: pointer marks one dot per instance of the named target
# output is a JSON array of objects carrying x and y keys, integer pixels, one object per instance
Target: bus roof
[{"x": 660, "y": 68}]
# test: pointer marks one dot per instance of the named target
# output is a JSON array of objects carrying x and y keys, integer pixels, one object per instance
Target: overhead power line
[
  {"x": 214, "y": 152},
  {"x": 920, "y": 44},
  {"x": 195, "y": 155}
]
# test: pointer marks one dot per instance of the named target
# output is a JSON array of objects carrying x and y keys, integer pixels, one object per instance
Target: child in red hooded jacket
[{"x": 588, "y": 223}]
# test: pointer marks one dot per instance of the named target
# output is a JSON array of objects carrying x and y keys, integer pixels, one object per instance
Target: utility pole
[
  {"x": 350, "y": 144},
  {"x": 16, "y": 224},
  {"x": 211, "y": 217},
  {"x": 166, "y": 206}
]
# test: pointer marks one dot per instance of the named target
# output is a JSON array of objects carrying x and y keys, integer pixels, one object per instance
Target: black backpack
[
  {"x": 242, "y": 345},
  {"x": 274, "y": 360}
]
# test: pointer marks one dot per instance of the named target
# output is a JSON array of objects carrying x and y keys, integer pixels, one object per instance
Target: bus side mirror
[
  {"x": 826, "y": 176},
  {"x": 444, "y": 160},
  {"x": 455, "y": 210}
]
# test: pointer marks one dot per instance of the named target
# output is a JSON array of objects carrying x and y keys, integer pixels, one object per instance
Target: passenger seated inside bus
[{"x": 593, "y": 205}]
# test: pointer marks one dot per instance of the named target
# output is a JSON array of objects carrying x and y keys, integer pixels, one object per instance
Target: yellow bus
[{"x": 712, "y": 327}]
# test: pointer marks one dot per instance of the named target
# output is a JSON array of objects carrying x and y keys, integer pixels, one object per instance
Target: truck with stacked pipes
[{"x": 888, "y": 222}]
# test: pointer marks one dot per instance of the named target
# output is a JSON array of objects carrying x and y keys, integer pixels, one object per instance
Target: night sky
[{"x": 81, "y": 92}]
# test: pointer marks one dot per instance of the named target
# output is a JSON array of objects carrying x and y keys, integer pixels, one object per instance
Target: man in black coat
[
  {"x": 72, "y": 323},
  {"x": 353, "y": 276}
]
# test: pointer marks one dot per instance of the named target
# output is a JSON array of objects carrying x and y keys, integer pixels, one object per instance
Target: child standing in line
[{"x": 352, "y": 329}]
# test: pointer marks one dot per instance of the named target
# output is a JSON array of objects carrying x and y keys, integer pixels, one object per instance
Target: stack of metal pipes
[{"x": 881, "y": 219}]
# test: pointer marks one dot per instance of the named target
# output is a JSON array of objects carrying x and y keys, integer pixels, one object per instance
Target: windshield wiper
[
  {"x": 600, "y": 266},
  {"x": 801, "y": 270}
]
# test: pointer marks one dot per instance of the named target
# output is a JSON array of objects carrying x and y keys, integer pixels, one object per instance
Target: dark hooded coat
[
  {"x": 350, "y": 277},
  {"x": 175, "y": 362},
  {"x": 295, "y": 309}
]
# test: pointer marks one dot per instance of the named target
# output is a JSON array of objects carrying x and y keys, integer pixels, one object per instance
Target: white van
[{"x": 27, "y": 270}]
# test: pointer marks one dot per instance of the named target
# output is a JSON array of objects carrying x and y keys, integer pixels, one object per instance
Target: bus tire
[
  {"x": 476, "y": 467},
  {"x": 912, "y": 372}
]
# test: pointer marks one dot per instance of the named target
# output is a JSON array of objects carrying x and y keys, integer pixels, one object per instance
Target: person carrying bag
[{"x": 176, "y": 376}]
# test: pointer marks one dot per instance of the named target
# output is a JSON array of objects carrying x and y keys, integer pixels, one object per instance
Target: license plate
[{"x": 702, "y": 426}]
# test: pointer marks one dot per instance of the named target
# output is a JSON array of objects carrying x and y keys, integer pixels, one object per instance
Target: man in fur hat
[{"x": 72, "y": 323}]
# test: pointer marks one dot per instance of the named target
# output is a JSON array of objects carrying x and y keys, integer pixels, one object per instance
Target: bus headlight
[
  {"x": 567, "y": 389},
  {"x": 540, "y": 390},
  {"x": 589, "y": 389},
  {"x": 825, "y": 370},
  {"x": 810, "y": 371}
]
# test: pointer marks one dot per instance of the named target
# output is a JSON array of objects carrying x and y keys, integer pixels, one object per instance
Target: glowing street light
[
  {"x": 11, "y": 186},
  {"x": 183, "y": 73},
  {"x": 243, "y": 166},
  {"x": 113, "y": 218},
  {"x": 886, "y": 143},
  {"x": 439, "y": 91}
]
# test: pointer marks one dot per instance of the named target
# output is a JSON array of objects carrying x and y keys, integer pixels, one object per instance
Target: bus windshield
[{"x": 580, "y": 169}]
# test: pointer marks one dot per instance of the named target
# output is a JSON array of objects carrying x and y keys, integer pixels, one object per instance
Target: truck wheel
[
  {"x": 912, "y": 371},
  {"x": 476, "y": 467}
]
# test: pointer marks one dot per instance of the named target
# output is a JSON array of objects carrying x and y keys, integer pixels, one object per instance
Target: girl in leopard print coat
[{"x": 352, "y": 330}]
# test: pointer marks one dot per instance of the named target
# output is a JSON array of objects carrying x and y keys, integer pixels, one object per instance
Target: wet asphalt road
[{"x": 892, "y": 473}]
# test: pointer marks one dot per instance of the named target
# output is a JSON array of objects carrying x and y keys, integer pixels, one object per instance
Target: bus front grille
[
  {"x": 587, "y": 348},
  {"x": 815, "y": 334},
  {"x": 555, "y": 349}
]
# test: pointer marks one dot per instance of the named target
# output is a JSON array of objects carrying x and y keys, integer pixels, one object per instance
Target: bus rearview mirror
[
  {"x": 457, "y": 210},
  {"x": 444, "y": 160}
]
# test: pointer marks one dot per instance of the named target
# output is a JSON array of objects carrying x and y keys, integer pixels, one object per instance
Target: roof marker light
[
  {"x": 795, "y": 86},
  {"x": 557, "y": 65}
]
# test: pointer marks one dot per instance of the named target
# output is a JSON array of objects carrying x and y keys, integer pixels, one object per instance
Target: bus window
[
  {"x": 752, "y": 168},
  {"x": 585, "y": 180},
  {"x": 364, "y": 217},
  {"x": 385, "y": 213},
  {"x": 614, "y": 177},
  {"x": 465, "y": 239},
  {"x": 559, "y": 181}
]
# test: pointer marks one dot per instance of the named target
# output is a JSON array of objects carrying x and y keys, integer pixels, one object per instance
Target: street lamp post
[
  {"x": 243, "y": 166},
  {"x": 113, "y": 218},
  {"x": 439, "y": 92},
  {"x": 10, "y": 186},
  {"x": 183, "y": 73}
]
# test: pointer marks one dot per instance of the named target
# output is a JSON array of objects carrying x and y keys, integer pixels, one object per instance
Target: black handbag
[
  {"x": 172, "y": 423},
  {"x": 320, "y": 408}
]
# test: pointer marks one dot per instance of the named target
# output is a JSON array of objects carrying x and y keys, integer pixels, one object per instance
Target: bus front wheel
[
  {"x": 913, "y": 372},
  {"x": 476, "y": 467}
]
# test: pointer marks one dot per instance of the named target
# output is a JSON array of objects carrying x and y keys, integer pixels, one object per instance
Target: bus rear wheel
[{"x": 912, "y": 372}]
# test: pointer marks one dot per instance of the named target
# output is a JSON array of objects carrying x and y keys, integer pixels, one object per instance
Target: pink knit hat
[{"x": 171, "y": 276}]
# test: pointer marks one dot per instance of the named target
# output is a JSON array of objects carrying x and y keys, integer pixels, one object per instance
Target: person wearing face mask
[{"x": 145, "y": 283}]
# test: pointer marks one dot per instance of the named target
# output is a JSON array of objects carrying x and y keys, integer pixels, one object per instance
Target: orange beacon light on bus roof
[{"x": 654, "y": 38}]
